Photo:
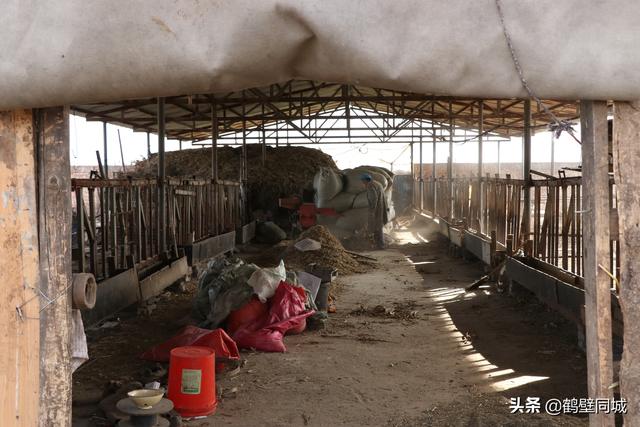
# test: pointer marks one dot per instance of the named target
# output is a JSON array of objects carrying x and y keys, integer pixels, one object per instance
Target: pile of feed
[
  {"x": 287, "y": 170},
  {"x": 332, "y": 254}
]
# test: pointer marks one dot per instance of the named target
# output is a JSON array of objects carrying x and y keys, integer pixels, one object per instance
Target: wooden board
[
  {"x": 19, "y": 264},
  {"x": 626, "y": 155},
  {"x": 595, "y": 229}
]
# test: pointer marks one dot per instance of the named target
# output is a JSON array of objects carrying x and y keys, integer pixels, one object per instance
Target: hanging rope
[{"x": 557, "y": 126}]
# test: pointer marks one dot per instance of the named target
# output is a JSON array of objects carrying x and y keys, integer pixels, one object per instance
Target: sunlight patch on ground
[
  {"x": 408, "y": 237},
  {"x": 495, "y": 377}
]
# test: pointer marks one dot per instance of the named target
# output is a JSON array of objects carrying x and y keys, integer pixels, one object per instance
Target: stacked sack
[{"x": 343, "y": 191}]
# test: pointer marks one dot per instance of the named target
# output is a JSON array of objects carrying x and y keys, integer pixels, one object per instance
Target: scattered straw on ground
[
  {"x": 402, "y": 311},
  {"x": 332, "y": 254},
  {"x": 484, "y": 410}
]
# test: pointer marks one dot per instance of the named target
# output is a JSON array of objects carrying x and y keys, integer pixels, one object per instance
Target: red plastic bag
[
  {"x": 286, "y": 314},
  {"x": 247, "y": 314},
  {"x": 217, "y": 339}
]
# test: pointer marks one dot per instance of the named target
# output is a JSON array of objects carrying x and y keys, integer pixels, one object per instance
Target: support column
[
  {"x": 595, "y": 232},
  {"x": 499, "y": 166},
  {"x": 105, "y": 150},
  {"x": 19, "y": 264},
  {"x": 626, "y": 157},
  {"x": 243, "y": 163},
  {"x": 162, "y": 196},
  {"x": 264, "y": 139},
  {"x": 450, "y": 165},
  {"x": 413, "y": 178},
  {"x": 434, "y": 162},
  {"x": 54, "y": 234},
  {"x": 480, "y": 166},
  {"x": 421, "y": 179},
  {"x": 148, "y": 145},
  {"x": 214, "y": 140},
  {"x": 553, "y": 155},
  {"x": 526, "y": 170}
]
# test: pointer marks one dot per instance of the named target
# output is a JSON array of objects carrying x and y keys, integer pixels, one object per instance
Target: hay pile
[
  {"x": 332, "y": 254},
  {"x": 287, "y": 170}
]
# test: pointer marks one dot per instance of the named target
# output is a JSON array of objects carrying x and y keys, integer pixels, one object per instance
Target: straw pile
[
  {"x": 332, "y": 254},
  {"x": 287, "y": 170}
]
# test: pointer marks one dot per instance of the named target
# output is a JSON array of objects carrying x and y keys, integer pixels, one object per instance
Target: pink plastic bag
[
  {"x": 286, "y": 315},
  {"x": 216, "y": 339}
]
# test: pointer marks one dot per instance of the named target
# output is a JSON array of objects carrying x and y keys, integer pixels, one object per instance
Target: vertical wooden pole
[
  {"x": 213, "y": 227},
  {"x": 421, "y": 178},
  {"x": 450, "y": 166},
  {"x": 162, "y": 195},
  {"x": 526, "y": 139},
  {"x": 148, "y": 145},
  {"x": 214, "y": 140},
  {"x": 626, "y": 156},
  {"x": 54, "y": 218},
  {"x": 80, "y": 228},
  {"x": 105, "y": 150},
  {"x": 434, "y": 162},
  {"x": 413, "y": 177},
  {"x": 19, "y": 264},
  {"x": 480, "y": 165},
  {"x": 595, "y": 227}
]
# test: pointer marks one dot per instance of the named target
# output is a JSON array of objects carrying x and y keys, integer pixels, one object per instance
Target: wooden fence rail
[
  {"x": 496, "y": 205},
  {"x": 117, "y": 220}
]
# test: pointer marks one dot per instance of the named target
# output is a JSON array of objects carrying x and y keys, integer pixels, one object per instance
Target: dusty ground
[{"x": 407, "y": 347}]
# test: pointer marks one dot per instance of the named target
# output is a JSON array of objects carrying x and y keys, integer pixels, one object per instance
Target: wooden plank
[
  {"x": 54, "y": 216},
  {"x": 626, "y": 155},
  {"x": 80, "y": 229},
  {"x": 595, "y": 169},
  {"x": 19, "y": 263}
]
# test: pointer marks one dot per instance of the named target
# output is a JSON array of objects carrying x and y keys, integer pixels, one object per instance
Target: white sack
[{"x": 264, "y": 281}]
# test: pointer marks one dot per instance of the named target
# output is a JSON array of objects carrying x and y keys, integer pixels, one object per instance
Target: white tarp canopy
[{"x": 79, "y": 51}]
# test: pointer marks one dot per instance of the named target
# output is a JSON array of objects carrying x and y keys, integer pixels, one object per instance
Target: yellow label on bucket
[{"x": 191, "y": 381}]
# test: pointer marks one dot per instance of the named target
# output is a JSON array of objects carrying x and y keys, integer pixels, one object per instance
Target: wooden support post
[
  {"x": 595, "y": 227},
  {"x": 264, "y": 140},
  {"x": 105, "y": 150},
  {"x": 421, "y": 178},
  {"x": 19, "y": 264},
  {"x": 450, "y": 166},
  {"x": 499, "y": 166},
  {"x": 526, "y": 170},
  {"x": 214, "y": 140},
  {"x": 54, "y": 218},
  {"x": 80, "y": 229},
  {"x": 243, "y": 155},
  {"x": 626, "y": 156},
  {"x": 413, "y": 177},
  {"x": 434, "y": 162},
  {"x": 480, "y": 166},
  {"x": 148, "y": 145},
  {"x": 162, "y": 195}
]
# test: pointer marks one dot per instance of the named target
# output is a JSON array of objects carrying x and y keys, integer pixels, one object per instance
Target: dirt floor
[{"x": 407, "y": 347}]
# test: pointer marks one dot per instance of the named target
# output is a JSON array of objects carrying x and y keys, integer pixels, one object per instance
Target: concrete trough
[
  {"x": 113, "y": 295},
  {"x": 157, "y": 282},
  {"x": 246, "y": 233},
  {"x": 478, "y": 246},
  {"x": 211, "y": 247}
]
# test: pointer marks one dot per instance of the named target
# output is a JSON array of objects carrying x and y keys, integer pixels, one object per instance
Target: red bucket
[{"x": 192, "y": 381}]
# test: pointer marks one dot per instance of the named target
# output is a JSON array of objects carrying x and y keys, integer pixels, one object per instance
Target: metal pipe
[
  {"x": 162, "y": 197},
  {"x": 214, "y": 140},
  {"x": 106, "y": 158},
  {"x": 421, "y": 179}
]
